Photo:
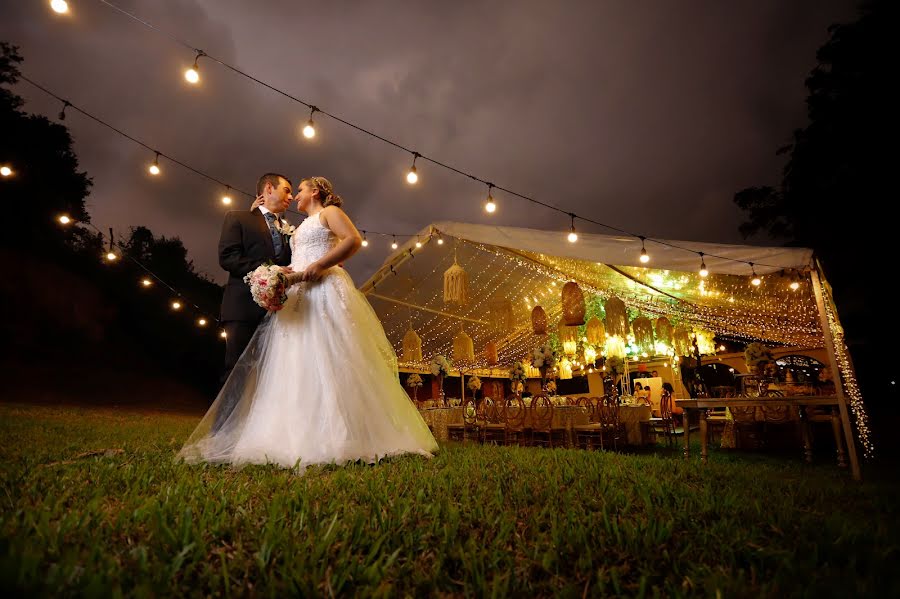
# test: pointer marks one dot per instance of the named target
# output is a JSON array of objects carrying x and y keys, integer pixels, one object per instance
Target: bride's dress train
[{"x": 317, "y": 383}]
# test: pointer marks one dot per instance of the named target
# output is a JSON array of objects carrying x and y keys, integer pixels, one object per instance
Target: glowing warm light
[
  {"x": 146, "y": 282},
  {"x": 573, "y": 236},
  {"x": 309, "y": 131},
  {"x": 394, "y": 244},
  {"x": 226, "y": 199},
  {"x": 418, "y": 244},
  {"x": 5, "y": 171},
  {"x": 111, "y": 256},
  {"x": 176, "y": 305},
  {"x": 756, "y": 281},
  {"x": 795, "y": 286},
  {"x": 64, "y": 220},
  {"x": 192, "y": 75},
  {"x": 490, "y": 206},
  {"x": 365, "y": 243},
  {"x": 703, "y": 272},
  {"x": 223, "y": 334},
  {"x": 201, "y": 322},
  {"x": 644, "y": 256},
  {"x": 440, "y": 241},
  {"x": 59, "y": 6},
  {"x": 411, "y": 176},
  {"x": 154, "y": 169},
  {"x": 721, "y": 348}
]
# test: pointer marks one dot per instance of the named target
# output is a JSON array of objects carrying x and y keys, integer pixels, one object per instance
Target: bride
[{"x": 318, "y": 382}]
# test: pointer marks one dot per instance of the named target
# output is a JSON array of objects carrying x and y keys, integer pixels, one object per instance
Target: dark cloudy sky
[{"x": 646, "y": 115}]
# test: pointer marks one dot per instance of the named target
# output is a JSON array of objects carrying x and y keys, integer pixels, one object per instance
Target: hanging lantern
[
  {"x": 456, "y": 284},
  {"x": 572, "y": 304},
  {"x": 463, "y": 348},
  {"x": 590, "y": 354},
  {"x": 595, "y": 331},
  {"x": 682, "y": 342},
  {"x": 565, "y": 369},
  {"x": 664, "y": 331},
  {"x": 539, "y": 321},
  {"x": 568, "y": 337},
  {"x": 412, "y": 346},
  {"x": 614, "y": 347},
  {"x": 490, "y": 352},
  {"x": 643, "y": 334},
  {"x": 616, "y": 317},
  {"x": 500, "y": 316}
]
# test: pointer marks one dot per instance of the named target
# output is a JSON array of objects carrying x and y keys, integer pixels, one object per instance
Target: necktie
[{"x": 276, "y": 236}]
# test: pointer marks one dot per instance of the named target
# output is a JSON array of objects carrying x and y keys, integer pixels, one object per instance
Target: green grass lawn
[{"x": 94, "y": 503}]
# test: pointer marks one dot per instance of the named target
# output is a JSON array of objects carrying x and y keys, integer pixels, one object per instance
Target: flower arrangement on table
[
  {"x": 518, "y": 376},
  {"x": 414, "y": 381},
  {"x": 474, "y": 385},
  {"x": 440, "y": 367},
  {"x": 758, "y": 357}
]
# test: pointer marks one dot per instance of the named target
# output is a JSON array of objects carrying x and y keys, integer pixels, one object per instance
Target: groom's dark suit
[{"x": 245, "y": 243}]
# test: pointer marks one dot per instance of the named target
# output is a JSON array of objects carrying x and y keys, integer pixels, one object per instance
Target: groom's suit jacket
[{"x": 246, "y": 243}]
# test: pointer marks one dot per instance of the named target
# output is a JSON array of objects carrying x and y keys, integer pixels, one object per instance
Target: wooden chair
[
  {"x": 492, "y": 426},
  {"x": 613, "y": 429},
  {"x": 664, "y": 423},
  {"x": 469, "y": 429},
  {"x": 590, "y": 436},
  {"x": 543, "y": 432},
  {"x": 514, "y": 414}
]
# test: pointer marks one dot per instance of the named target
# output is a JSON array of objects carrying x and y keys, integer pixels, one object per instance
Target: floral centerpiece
[
  {"x": 440, "y": 367},
  {"x": 758, "y": 357},
  {"x": 474, "y": 385},
  {"x": 543, "y": 358},
  {"x": 518, "y": 376},
  {"x": 414, "y": 381}
]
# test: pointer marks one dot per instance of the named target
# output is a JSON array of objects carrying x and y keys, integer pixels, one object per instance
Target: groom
[{"x": 248, "y": 240}]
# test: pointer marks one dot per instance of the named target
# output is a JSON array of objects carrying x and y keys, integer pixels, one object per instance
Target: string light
[
  {"x": 201, "y": 322},
  {"x": 703, "y": 271},
  {"x": 192, "y": 75},
  {"x": 226, "y": 199},
  {"x": 440, "y": 240},
  {"x": 755, "y": 277},
  {"x": 5, "y": 171},
  {"x": 365, "y": 242},
  {"x": 59, "y": 6},
  {"x": 412, "y": 176},
  {"x": 309, "y": 131},
  {"x": 489, "y": 205},
  {"x": 154, "y": 168},
  {"x": 64, "y": 219},
  {"x": 418, "y": 243},
  {"x": 146, "y": 283},
  {"x": 394, "y": 243},
  {"x": 223, "y": 334},
  {"x": 62, "y": 113},
  {"x": 111, "y": 256},
  {"x": 176, "y": 305},
  {"x": 573, "y": 236},
  {"x": 645, "y": 258}
]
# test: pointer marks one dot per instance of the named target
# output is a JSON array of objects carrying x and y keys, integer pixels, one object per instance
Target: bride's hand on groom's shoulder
[{"x": 257, "y": 203}]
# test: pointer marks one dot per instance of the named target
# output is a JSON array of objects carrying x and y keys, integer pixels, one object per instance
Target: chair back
[
  {"x": 541, "y": 413},
  {"x": 665, "y": 404},
  {"x": 609, "y": 411},
  {"x": 490, "y": 412},
  {"x": 514, "y": 412}
]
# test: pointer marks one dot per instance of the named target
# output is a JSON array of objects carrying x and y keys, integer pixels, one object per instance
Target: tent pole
[{"x": 817, "y": 280}]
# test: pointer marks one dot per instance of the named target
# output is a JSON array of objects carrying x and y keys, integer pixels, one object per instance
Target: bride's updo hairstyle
[{"x": 326, "y": 191}]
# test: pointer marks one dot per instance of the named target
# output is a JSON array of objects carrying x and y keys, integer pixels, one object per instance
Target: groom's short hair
[{"x": 270, "y": 178}]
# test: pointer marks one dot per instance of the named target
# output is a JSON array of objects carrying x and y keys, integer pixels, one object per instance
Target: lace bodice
[{"x": 311, "y": 241}]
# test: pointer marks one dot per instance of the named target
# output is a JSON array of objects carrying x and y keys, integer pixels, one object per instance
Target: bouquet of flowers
[
  {"x": 440, "y": 366},
  {"x": 551, "y": 387},
  {"x": 614, "y": 365},
  {"x": 269, "y": 285},
  {"x": 474, "y": 384},
  {"x": 414, "y": 380},
  {"x": 517, "y": 374},
  {"x": 543, "y": 357},
  {"x": 756, "y": 354}
]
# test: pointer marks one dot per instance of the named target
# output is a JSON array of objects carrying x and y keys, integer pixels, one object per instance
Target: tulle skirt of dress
[{"x": 317, "y": 384}]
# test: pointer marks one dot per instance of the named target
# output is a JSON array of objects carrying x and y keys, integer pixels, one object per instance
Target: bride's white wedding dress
[{"x": 318, "y": 382}]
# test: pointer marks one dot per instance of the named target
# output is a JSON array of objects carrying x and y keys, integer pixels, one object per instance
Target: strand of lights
[
  {"x": 412, "y": 175},
  {"x": 154, "y": 168},
  {"x": 116, "y": 250},
  {"x": 847, "y": 374}
]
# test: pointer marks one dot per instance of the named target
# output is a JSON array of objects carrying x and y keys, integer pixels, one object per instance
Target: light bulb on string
[
  {"x": 795, "y": 281},
  {"x": 309, "y": 131},
  {"x": 201, "y": 322},
  {"x": 440, "y": 240},
  {"x": 154, "y": 168},
  {"x": 64, "y": 219},
  {"x": 703, "y": 271},
  {"x": 146, "y": 282},
  {"x": 111, "y": 256},
  {"x": 489, "y": 205},
  {"x": 412, "y": 176},
  {"x": 365, "y": 242},
  {"x": 59, "y": 6},
  {"x": 394, "y": 242},
  {"x": 176, "y": 305},
  {"x": 192, "y": 75},
  {"x": 418, "y": 243},
  {"x": 645, "y": 258},
  {"x": 223, "y": 334},
  {"x": 5, "y": 171},
  {"x": 62, "y": 113},
  {"x": 755, "y": 277},
  {"x": 573, "y": 236},
  {"x": 226, "y": 199}
]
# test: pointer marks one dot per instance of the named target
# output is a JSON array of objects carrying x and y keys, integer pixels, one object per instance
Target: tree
[{"x": 836, "y": 178}]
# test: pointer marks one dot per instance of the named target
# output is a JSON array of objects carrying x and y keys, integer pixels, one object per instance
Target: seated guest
[{"x": 668, "y": 387}]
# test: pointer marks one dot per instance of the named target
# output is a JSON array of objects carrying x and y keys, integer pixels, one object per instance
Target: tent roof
[{"x": 528, "y": 267}]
